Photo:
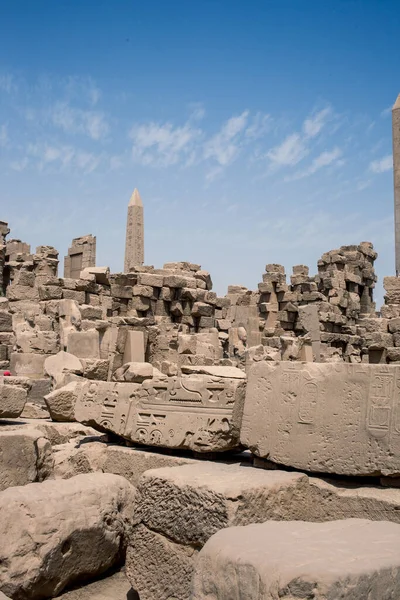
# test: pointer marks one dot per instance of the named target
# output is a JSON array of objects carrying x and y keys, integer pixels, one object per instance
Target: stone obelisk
[
  {"x": 396, "y": 175},
  {"x": 134, "y": 244}
]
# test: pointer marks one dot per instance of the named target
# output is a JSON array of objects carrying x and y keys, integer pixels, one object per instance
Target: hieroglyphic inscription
[
  {"x": 380, "y": 402},
  {"x": 193, "y": 412}
]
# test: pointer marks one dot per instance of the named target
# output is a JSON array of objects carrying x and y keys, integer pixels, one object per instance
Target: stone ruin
[{"x": 157, "y": 439}]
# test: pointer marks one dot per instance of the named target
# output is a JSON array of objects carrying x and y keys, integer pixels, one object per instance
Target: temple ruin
[{"x": 191, "y": 446}]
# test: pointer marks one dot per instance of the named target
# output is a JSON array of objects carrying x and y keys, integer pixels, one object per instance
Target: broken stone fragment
[
  {"x": 196, "y": 412},
  {"x": 61, "y": 402},
  {"x": 59, "y": 364},
  {"x": 344, "y": 559},
  {"x": 25, "y": 456},
  {"x": 90, "y": 515}
]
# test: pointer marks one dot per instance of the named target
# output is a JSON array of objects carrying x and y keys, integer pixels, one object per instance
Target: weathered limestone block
[
  {"x": 12, "y": 399},
  {"x": 28, "y": 365},
  {"x": 200, "y": 413},
  {"x": 182, "y": 507},
  {"x": 5, "y": 320},
  {"x": 84, "y": 344},
  {"x": 91, "y": 456},
  {"x": 25, "y": 456},
  {"x": 61, "y": 402},
  {"x": 90, "y": 515},
  {"x": 59, "y": 364},
  {"x": 134, "y": 372},
  {"x": 332, "y": 418},
  {"x": 338, "y": 559}
]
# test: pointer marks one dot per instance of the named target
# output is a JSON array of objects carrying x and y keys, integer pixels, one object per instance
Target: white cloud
[
  {"x": 323, "y": 160},
  {"x": 63, "y": 156},
  {"x": 313, "y": 125},
  {"x": 224, "y": 146},
  {"x": 290, "y": 152},
  {"x": 19, "y": 165},
  {"x": 383, "y": 164},
  {"x": 162, "y": 145},
  {"x": 75, "y": 120},
  {"x": 3, "y": 136},
  {"x": 198, "y": 111}
]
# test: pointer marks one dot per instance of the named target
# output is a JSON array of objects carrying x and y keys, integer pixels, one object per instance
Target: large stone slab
[
  {"x": 84, "y": 344},
  {"x": 182, "y": 507},
  {"x": 57, "y": 532},
  {"x": 12, "y": 399},
  {"x": 332, "y": 418},
  {"x": 25, "y": 456},
  {"x": 351, "y": 560},
  {"x": 199, "y": 412}
]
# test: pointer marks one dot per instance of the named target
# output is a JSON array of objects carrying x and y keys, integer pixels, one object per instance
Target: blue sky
[{"x": 256, "y": 131}]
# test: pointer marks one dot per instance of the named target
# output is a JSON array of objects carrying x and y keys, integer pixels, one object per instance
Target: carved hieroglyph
[
  {"x": 134, "y": 243},
  {"x": 333, "y": 418},
  {"x": 200, "y": 413}
]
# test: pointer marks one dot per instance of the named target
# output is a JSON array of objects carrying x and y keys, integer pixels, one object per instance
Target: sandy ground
[{"x": 113, "y": 587}]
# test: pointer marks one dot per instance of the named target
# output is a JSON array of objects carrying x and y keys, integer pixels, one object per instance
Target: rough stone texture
[
  {"x": 74, "y": 458},
  {"x": 61, "y": 402},
  {"x": 58, "y": 532},
  {"x": 352, "y": 560},
  {"x": 28, "y": 365},
  {"x": 84, "y": 344},
  {"x": 12, "y": 399},
  {"x": 25, "y": 457},
  {"x": 198, "y": 412},
  {"x": 113, "y": 587},
  {"x": 332, "y": 418},
  {"x": 62, "y": 362},
  {"x": 181, "y": 507}
]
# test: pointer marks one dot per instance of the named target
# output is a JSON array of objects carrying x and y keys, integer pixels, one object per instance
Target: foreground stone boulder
[
  {"x": 61, "y": 402},
  {"x": 12, "y": 398},
  {"x": 180, "y": 508},
  {"x": 332, "y": 418},
  {"x": 58, "y": 532},
  {"x": 351, "y": 560},
  {"x": 25, "y": 456},
  {"x": 194, "y": 412}
]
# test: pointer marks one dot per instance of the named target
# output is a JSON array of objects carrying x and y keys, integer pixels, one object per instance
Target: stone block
[
  {"x": 27, "y": 365},
  {"x": 197, "y": 412},
  {"x": 61, "y": 402},
  {"x": 12, "y": 399},
  {"x": 50, "y": 292},
  {"x": 61, "y": 363},
  {"x": 25, "y": 456},
  {"x": 332, "y": 418},
  {"x": 182, "y": 507},
  {"x": 90, "y": 515},
  {"x": 77, "y": 296},
  {"x": 339, "y": 559},
  {"x": 84, "y": 344},
  {"x": 5, "y": 321},
  {"x": 134, "y": 350}
]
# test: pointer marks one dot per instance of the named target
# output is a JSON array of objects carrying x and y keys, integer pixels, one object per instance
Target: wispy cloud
[
  {"x": 314, "y": 124},
  {"x": 162, "y": 144},
  {"x": 224, "y": 146},
  {"x": 76, "y": 120},
  {"x": 63, "y": 156},
  {"x": 290, "y": 152},
  {"x": 383, "y": 164},
  {"x": 296, "y": 146},
  {"x": 325, "y": 159}
]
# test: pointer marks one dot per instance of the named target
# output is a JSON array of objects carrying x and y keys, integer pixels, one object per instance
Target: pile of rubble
[{"x": 204, "y": 445}]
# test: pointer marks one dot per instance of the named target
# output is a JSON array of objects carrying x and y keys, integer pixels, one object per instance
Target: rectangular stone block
[
  {"x": 196, "y": 412},
  {"x": 134, "y": 347},
  {"x": 332, "y": 418},
  {"x": 352, "y": 559},
  {"x": 27, "y": 365},
  {"x": 84, "y": 344}
]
